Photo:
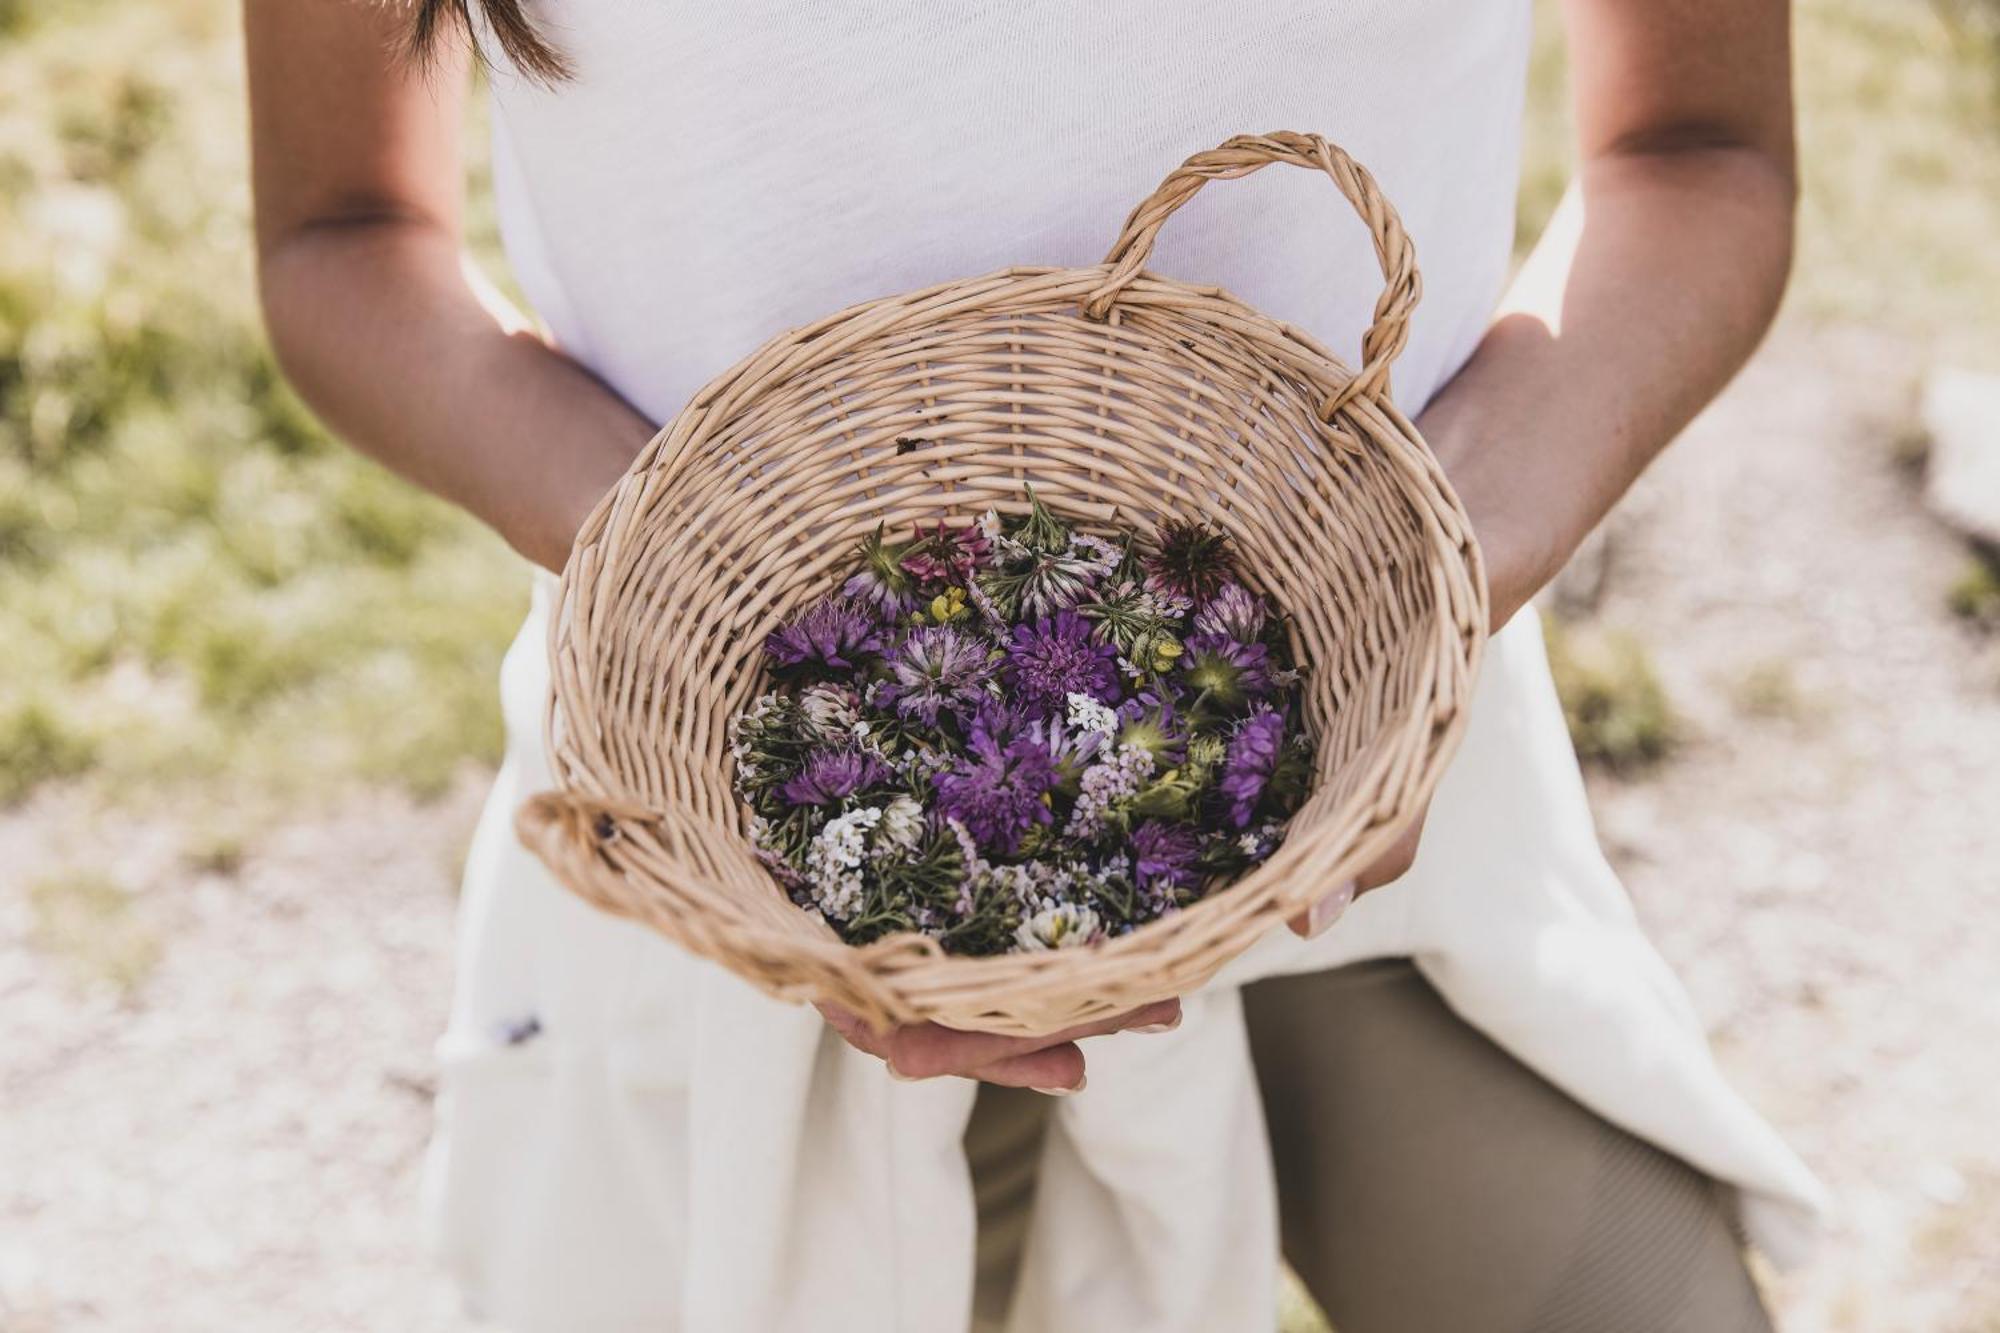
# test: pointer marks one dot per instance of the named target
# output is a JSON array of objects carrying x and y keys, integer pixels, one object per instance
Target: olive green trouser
[{"x": 1427, "y": 1181}]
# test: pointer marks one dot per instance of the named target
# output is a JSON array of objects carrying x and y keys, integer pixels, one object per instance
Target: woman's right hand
[{"x": 1051, "y": 1064}]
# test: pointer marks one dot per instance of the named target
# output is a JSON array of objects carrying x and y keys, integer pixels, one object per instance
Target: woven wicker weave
[{"x": 1123, "y": 398}]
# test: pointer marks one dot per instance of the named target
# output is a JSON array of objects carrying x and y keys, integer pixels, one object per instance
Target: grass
[
  {"x": 1769, "y": 691},
  {"x": 1900, "y": 138},
  {"x": 1974, "y": 596},
  {"x": 198, "y": 586},
  {"x": 91, "y": 923},
  {"x": 195, "y": 582},
  {"x": 1899, "y": 141},
  {"x": 1616, "y": 708}
]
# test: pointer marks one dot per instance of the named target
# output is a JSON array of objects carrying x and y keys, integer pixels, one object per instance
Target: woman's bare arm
[
  {"x": 1652, "y": 285},
  {"x": 393, "y": 338},
  {"x": 1650, "y": 288},
  {"x": 376, "y": 314}
]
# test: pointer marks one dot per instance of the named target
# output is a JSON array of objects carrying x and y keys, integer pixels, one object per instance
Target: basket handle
[{"x": 1241, "y": 156}]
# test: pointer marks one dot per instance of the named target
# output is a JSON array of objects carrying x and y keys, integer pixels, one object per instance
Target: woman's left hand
[
  {"x": 1514, "y": 572},
  {"x": 1390, "y": 867},
  {"x": 1649, "y": 288}
]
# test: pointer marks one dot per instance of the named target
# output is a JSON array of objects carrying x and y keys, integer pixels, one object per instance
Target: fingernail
[
  {"x": 899, "y": 1075},
  {"x": 1167, "y": 1026},
  {"x": 1063, "y": 1092},
  {"x": 1329, "y": 909}
]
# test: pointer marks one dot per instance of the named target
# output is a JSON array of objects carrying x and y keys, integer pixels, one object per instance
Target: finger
[
  {"x": 1314, "y": 921},
  {"x": 927, "y": 1050},
  {"x": 1391, "y": 865},
  {"x": 1160, "y": 1016},
  {"x": 852, "y": 1029},
  {"x": 1386, "y": 868},
  {"x": 1055, "y": 1070}
]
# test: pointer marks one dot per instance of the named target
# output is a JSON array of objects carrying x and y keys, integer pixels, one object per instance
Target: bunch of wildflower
[{"x": 1018, "y": 734}]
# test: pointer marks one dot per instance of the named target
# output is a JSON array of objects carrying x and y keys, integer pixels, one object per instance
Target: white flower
[
  {"x": 758, "y": 713},
  {"x": 1063, "y": 926},
  {"x": 1056, "y": 885},
  {"x": 1087, "y": 714},
  {"x": 967, "y": 848},
  {"x": 1021, "y": 879},
  {"x": 833, "y": 861},
  {"x": 984, "y": 603},
  {"x": 900, "y": 829},
  {"x": 1101, "y": 555},
  {"x": 1105, "y": 783},
  {"x": 929, "y": 763},
  {"x": 1260, "y": 841},
  {"x": 829, "y": 711},
  {"x": 1168, "y": 602}
]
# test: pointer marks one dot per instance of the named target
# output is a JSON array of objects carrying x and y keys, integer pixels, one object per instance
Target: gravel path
[
  {"x": 237, "y": 1144},
  {"x": 234, "y": 1139},
  {"x": 1822, "y": 861}
]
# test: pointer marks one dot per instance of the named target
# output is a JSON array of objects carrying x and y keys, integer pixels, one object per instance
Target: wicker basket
[{"x": 1122, "y": 397}]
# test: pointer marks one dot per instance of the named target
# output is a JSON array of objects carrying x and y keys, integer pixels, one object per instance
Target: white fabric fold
[{"x": 670, "y": 1149}]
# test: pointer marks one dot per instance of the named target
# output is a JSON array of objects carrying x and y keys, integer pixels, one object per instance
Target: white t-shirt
[{"x": 720, "y": 173}]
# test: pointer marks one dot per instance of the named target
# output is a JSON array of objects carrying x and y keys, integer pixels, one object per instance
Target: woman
[{"x": 1486, "y": 1102}]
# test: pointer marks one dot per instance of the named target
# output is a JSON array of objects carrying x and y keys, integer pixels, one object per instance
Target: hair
[{"x": 525, "y": 48}]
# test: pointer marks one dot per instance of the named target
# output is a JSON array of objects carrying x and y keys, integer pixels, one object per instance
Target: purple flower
[
  {"x": 1163, "y": 856},
  {"x": 1234, "y": 613},
  {"x": 1055, "y": 581},
  {"x": 833, "y": 775},
  {"x": 1057, "y": 656},
  {"x": 881, "y": 582},
  {"x": 946, "y": 555},
  {"x": 1070, "y": 749},
  {"x": 939, "y": 668},
  {"x": 997, "y": 793},
  {"x": 1148, "y": 722},
  {"x": 1192, "y": 560},
  {"x": 1226, "y": 671},
  {"x": 1253, "y": 756},
  {"x": 835, "y": 633},
  {"x": 998, "y": 720},
  {"x": 880, "y": 592}
]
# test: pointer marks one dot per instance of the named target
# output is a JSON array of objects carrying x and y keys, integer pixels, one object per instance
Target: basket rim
[{"x": 1457, "y": 640}]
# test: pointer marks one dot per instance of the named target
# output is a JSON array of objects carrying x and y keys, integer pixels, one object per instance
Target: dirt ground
[
  {"x": 215, "y": 1092},
  {"x": 1822, "y": 859}
]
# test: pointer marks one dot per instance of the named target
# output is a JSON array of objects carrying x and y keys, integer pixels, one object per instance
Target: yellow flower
[
  {"x": 948, "y": 605},
  {"x": 1166, "y": 652}
]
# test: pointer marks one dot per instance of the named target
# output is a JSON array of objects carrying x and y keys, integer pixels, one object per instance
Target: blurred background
[{"x": 247, "y": 706}]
